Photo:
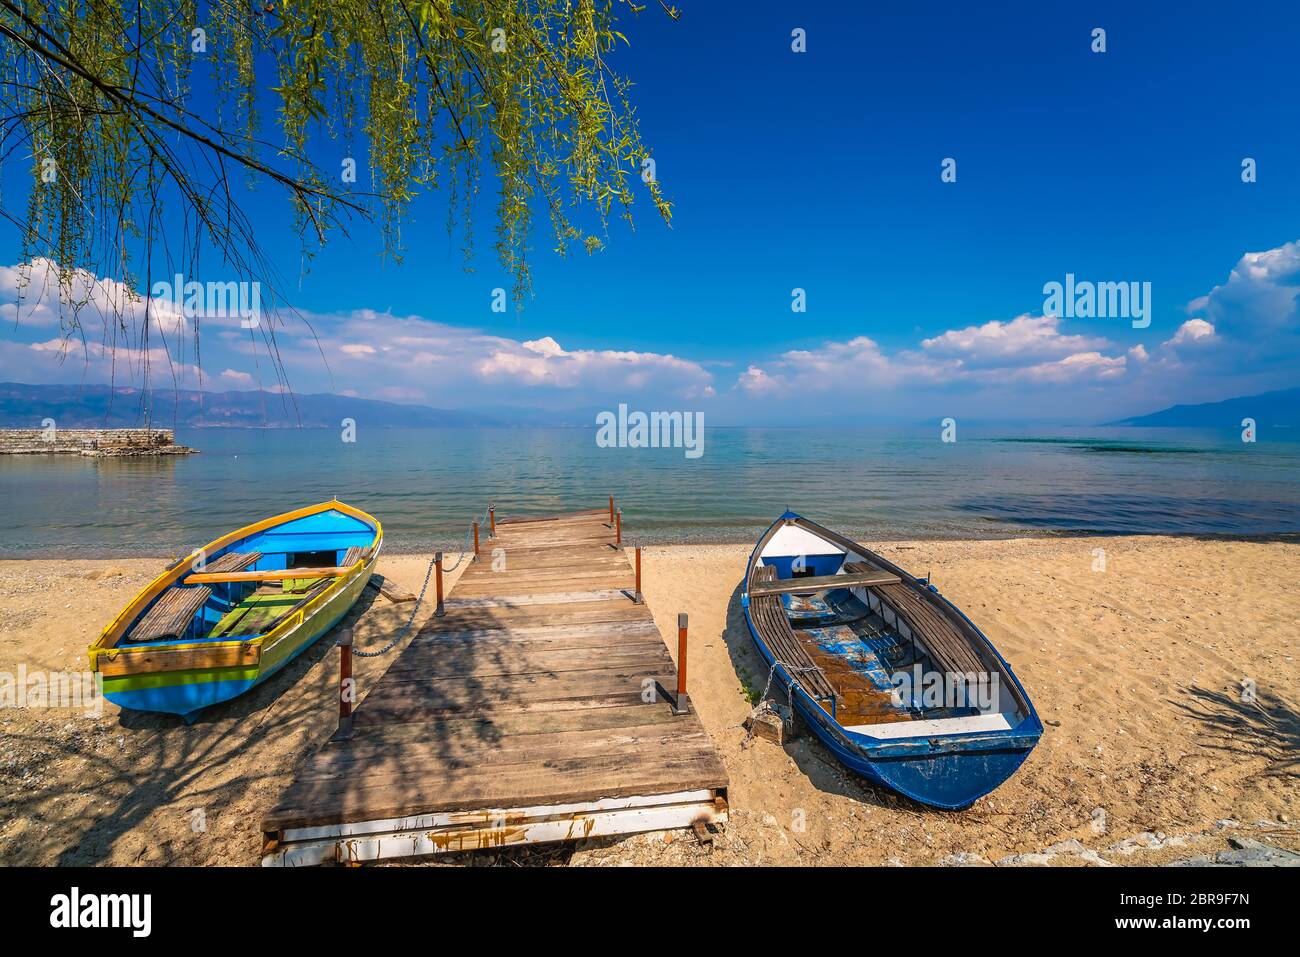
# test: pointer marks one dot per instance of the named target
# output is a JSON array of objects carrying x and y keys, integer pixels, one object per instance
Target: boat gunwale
[
  {"x": 107, "y": 644},
  {"x": 1023, "y": 736}
]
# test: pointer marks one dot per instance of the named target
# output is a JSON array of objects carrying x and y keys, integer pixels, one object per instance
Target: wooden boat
[
  {"x": 893, "y": 678},
  {"x": 231, "y": 614}
]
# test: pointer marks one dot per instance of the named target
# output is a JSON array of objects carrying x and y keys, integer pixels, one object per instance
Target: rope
[{"x": 401, "y": 632}]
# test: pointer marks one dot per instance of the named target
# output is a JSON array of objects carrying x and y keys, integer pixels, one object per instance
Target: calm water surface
[{"x": 425, "y": 485}]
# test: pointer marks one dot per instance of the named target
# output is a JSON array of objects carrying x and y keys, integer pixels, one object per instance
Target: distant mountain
[
  {"x": 100, "y": 406},
  {"x": 1270, "y": 410}
]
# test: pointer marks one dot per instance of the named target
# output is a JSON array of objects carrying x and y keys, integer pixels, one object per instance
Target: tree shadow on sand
[
  {"x": 165, "y": 765},
  {"x": 1239, "y": 728}
]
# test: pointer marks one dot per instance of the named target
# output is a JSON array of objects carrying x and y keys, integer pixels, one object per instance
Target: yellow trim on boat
[{"x": 106, "y": 644}]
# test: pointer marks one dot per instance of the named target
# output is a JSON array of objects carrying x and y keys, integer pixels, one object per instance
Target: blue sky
[{"x": 821, "y": 171}]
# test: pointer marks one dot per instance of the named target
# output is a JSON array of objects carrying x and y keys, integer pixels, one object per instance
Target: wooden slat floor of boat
[{"x": 544, "y": 684}]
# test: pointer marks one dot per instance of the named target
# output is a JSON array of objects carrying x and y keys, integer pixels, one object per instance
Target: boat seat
[
  {"x": 352, "y": 556},
  {"x": 768, "y": 615},
  {"x": 171, "y": 614},
  {"x": 863, "y": 577},
  {"x": 233, "y": 562}
]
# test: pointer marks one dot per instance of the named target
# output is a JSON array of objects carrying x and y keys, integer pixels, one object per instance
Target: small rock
[
  {"x": 964, "y": 859},
  {"x": 1251, "y": 853}
]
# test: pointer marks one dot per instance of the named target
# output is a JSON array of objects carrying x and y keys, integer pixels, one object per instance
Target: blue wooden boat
[
  {"x": 898, "y": 683},
  {"x": 228, "y": 616}
]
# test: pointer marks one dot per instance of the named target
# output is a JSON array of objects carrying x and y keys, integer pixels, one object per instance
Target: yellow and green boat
[{"x": 233, "y": 613}]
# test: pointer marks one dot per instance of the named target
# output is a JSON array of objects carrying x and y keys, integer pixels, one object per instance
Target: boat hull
[
  {"x": 189, "y": 692},
  {"x": 951, "y": 772},
  {"x": 153, "y": 676}
]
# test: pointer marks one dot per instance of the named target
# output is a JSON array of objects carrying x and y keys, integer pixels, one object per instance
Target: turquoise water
[{"x": 425, "y": 485}]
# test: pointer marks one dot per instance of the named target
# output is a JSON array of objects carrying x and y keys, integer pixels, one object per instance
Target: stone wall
[{"x": 90, "y": 442}]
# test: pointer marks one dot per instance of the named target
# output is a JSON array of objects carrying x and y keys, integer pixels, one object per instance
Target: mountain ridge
[
  {"x": 1279, "y": 409},
  {"x": 101, "y": 406}
]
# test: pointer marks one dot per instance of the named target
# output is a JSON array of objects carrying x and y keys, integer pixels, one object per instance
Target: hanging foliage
[{"x": 100, "y": 97}]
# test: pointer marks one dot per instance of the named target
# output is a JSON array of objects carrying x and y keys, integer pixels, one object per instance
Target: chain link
[{"x": 401, "y": 632}]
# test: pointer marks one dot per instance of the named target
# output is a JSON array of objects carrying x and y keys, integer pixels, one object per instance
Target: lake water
[{"x": 426, "y": 485}]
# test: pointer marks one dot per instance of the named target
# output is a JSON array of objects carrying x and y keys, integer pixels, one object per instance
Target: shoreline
[{"x": 154, "y": 552}]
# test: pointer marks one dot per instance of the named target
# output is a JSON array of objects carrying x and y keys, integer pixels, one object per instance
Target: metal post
[
  {"x": 611, "y": 508},
  {"x": 492, "y": 519},
  {"x": 618, "y": 529},
  {"x": 476, "y": 539},
  {"x": 347, "y": 687},
  {"x": 637, "y": 597},
  {"x": 683, "y": 702},
  {"x": 439, "y": 611}
]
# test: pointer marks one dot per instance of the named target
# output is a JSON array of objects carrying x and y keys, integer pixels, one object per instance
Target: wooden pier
[{"x": 539, "y": 708}]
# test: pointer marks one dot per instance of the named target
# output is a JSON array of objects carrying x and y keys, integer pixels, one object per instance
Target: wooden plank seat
[
  {"x": 808, "y": 584},
  {"x": 768, "y": 615},
  {"x": 947, "y": 644},
  {"x": 233, "y": 562},
  {"x": 267, "y": 575},
  {"x": 171, "y": 614}
]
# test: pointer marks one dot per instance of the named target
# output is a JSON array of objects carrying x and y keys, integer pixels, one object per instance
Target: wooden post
[
  {"x": 683, "y": 702},
  {"x": 476, "y": 538},
  {"x": 492, "y": 520},
  {"x": 439, "y": 611},
  {"x": 347, "y": 687},
  {"x": 637, "y": 597},
  {"x": 618, "y": 529},
  {"x": 611, "y": 509}
]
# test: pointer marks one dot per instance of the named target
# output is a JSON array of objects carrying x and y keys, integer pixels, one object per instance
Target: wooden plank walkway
[{"x": 538, "y": 709}]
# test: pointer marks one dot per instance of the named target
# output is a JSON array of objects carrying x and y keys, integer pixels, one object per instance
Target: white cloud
[
  {"x": 1082, "y": 366},
  {"x": 1193, "y": 330},
  {"x": 545, "y": 362},
  {"x": 998, "y": 343},
  {"x": 1025, "y": 349},
  {"x": 755, "y": 381},
  {"x": 72, "y": 360},
  {"x": 1259, "y": 300},
  {"x": 39, "y": 293},
  {"x": 420, "y": 360},
  {"x": 1251, "y": 324}
]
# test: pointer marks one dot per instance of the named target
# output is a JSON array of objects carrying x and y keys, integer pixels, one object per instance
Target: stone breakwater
[{"x": 95, "y": 442}]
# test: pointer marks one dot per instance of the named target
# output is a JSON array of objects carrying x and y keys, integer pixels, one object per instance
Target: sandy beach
[{"x": 1152, "y": 751}]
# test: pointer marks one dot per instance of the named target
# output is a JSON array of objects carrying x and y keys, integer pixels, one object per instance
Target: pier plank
[{"x": 543, "y": 689}]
